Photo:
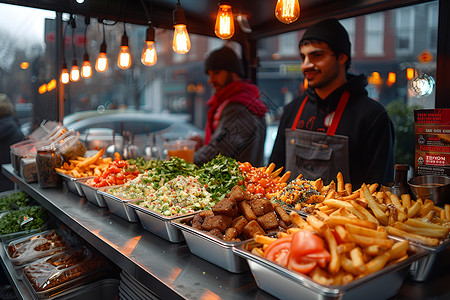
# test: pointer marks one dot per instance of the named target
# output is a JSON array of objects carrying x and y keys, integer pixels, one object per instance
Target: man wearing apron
[{"x": 335, "y": 127}]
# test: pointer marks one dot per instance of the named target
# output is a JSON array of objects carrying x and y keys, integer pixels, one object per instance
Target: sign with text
[{"x": 432, "y": 134}]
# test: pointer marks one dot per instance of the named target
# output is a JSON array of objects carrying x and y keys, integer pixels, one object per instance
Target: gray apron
[{"x": 317, "y": 154}]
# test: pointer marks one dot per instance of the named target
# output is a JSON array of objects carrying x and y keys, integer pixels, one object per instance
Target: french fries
[
  {"x": 85, "y": 166},
  {"x": 363, "y": 248},
  {"x": 419, "y": 221}
]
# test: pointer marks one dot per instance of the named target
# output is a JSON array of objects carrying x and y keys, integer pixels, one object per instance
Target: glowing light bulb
[
  {"x": 149, "y": 56},
  {"x": 410, "y": 73},
  {"x": 391, "y": 78},
  {"x": 86, "y": 69},
  {"x": 124, "y": 59},
  {"x": 101, "y": 64},
  {"x": 181, "y": 42},
  {"x": 224, "y": 28},
  {"x": 74, "y": 72},
  {"x": 287, "y": 11},
  {"x": 65, "y": 77}
]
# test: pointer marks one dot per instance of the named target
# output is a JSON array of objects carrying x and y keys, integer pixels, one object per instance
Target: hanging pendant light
[
  {"x": 101, "y": 64},
  {"x": 287, "y": 11},
  {"x": 74, "y": 71},
  {"x": 149, "y": 56},
  {"x": 86, "y": 68},
  {"x": 64, "y": 74},
  {"x": 181, "y": 43},
  {"x": 224, "y": 28},
  {"x": 124, "y": 59}
]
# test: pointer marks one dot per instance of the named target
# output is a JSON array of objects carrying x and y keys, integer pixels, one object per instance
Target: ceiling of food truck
[{"x": 200, "y": 14}]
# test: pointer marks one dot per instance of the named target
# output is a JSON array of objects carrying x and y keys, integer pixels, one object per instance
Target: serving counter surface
[{"x": 168, "y": 269}]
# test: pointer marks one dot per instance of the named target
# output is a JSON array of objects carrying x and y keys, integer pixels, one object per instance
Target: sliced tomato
[
  {"x": 279, "y": 251},
  {"x": 305, "y": 242},
  {"x": 302, "y": 264},
  {"x": 321, "y": 257}
]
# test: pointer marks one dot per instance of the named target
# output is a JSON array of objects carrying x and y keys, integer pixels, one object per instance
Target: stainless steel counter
[{"x": 168, "y": 269}]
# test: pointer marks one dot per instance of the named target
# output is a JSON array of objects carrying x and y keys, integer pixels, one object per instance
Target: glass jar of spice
[{"x": 47, "y": 159}]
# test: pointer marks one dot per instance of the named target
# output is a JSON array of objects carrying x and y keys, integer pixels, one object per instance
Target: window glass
[
  {"x": 399, "y": 42},
  {"x": 374, "y": 35}
]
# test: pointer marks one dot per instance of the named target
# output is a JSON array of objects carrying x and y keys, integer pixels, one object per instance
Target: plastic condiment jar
[{"x": 69, "y": 145}]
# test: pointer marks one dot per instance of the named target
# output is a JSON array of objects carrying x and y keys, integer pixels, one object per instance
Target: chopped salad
[{"x": 181, "y": 195}]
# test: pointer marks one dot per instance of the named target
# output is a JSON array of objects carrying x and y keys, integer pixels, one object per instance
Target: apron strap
[
  {"x": 299, "y": 113},
  {"x": 337, "y": 115}
]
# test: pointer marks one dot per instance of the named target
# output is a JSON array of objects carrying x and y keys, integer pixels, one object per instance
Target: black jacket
[
  {"x": 240, "y": 135},
  {"x": 364, "y": 121},
  {"x": 9, "y": 134}
]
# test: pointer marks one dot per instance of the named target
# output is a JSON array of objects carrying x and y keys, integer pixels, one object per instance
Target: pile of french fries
[
  {"x": 363, "y": 248},
  {"x": 419, "y": 221},
  {"x": 81, "y": 167}
]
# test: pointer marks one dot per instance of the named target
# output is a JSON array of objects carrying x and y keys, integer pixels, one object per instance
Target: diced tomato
[
  {"x": 259, "y": 190},
  {"x": 250, "y": 188},
  {"x": 264, "y": 182}
]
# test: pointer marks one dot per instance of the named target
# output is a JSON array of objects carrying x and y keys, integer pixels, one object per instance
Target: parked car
[{"x": 147, "y": 128}]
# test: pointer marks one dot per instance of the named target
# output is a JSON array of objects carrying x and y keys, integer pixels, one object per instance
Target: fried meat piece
[
  {"x": 252, "y": 228},
  {"x": 220, "y": 222},
  {"x": 261, "y": 206},
  {"x": 216, "y": 233},
  {"x": 238, "y": 194},
  {"x": 268, "y": 221},
  {"x": 239, "y": 224},
  {"x": 246, "y": 210},
  {"x": 230, "y": 234},
  {"x": 227, "y": 207}
]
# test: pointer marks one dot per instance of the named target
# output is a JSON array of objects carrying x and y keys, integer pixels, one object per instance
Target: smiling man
[
  {"x": 335, "y": 127},
  {"x": 235, "y": 125}
]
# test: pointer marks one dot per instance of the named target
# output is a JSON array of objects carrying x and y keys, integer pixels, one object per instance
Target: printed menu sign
[{"x": 432, "y": 134}]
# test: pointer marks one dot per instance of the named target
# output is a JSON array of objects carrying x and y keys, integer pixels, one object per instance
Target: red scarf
[{"x": 238, "y": 91}]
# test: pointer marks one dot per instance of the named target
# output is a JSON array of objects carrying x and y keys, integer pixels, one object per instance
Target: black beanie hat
[
  {"x": 224, "y": 59},
  {"x": 331, "y": 32}
]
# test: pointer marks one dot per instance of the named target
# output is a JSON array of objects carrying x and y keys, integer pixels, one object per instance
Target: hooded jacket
[
  {"x": 235, "y": 125},
  {"x": 364, "y": 120}
]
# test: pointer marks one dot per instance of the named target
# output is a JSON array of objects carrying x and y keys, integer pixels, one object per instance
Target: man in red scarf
[{"x": 235, "y": 125}]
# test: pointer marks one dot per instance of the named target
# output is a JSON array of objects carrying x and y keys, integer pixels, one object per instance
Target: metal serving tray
[
  {"x": 118, "y": 205},
  {"x": 212, "y": 249},
  {"x": 437, "y": 261},
  {"x": 73, "y": 184},
  {"x": 158, "y": 224},
  {"x": 102, "y": 289},
  {"x": 286, "y": 284},
  {"x": 65, "y": 287},
  {"x": 91, "y": 194},
  {"x": 128, "y": 283}
]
